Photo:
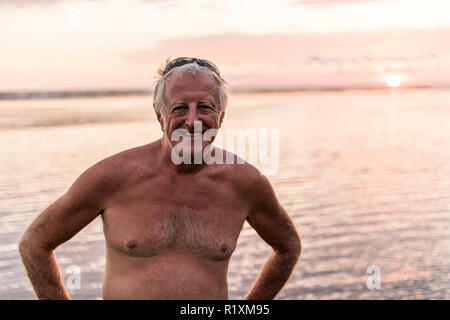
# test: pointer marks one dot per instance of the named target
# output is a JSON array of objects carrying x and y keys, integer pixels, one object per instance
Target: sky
[{"x": 97, "y": 44}]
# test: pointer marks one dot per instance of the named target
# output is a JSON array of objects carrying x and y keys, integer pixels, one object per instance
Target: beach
[{"x": 365, "y": 175}]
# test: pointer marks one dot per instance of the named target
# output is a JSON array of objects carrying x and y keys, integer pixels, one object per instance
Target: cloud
[
  {"x": 22, "y": 3},
  {"x": 332, "y": 2},
  {"x": 294, "y": 57},
  {"x": 315, "y": 59},
  {"x": 29, "y": 2},
  {"x": 381, "y": 45}
]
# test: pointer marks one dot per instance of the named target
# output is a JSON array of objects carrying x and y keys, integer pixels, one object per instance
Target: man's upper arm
[
  {"x": 74, "y": 210},
  {"x": 269, "y": 218}
]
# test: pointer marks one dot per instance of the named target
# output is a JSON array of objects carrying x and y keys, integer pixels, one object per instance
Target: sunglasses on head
[{"x": 185, "y": 60}]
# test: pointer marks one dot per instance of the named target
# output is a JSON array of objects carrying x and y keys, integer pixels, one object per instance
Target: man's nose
[{"x": 192, "y": 117}]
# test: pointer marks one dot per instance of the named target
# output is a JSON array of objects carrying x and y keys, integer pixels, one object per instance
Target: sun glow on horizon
[{"x": 393, "y": 80}]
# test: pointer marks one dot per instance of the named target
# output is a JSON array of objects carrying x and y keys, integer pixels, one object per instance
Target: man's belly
[{"x": 168, "y": 276}]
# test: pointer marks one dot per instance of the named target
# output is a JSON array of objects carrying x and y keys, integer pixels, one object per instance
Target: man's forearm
[
  {"x": 43, "y": 272},
  {"x": 275, "y": 273}
]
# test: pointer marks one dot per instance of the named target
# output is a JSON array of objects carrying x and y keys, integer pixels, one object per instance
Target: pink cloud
[
  {"x": 29, "y": 2},
  {"x": 327, "y": 2},
  {"x": 324, "y": 58}
]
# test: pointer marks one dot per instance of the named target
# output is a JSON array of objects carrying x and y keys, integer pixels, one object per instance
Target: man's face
[{"x": 188, "y": 99}]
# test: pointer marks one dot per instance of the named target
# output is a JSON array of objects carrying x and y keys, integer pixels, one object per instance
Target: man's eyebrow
[
  {"x": 179, "y": 103},
  {"x": 200, "y": 101}
]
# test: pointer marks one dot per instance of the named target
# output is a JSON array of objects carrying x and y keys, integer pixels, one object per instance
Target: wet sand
[{"x": 365, "y": 176}]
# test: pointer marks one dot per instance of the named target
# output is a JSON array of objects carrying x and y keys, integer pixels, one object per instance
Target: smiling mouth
[{"x": 195, "y": 134}]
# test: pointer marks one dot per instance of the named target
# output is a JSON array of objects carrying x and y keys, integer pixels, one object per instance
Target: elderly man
[{"x": 170, "y": 228}]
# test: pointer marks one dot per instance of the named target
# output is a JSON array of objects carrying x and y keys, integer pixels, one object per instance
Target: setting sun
[{"x": 393, "y": 80}]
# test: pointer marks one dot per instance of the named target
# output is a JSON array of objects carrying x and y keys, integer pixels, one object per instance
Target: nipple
[
  {"x": 132, "y": 244},
  {"x": 223, "y": 248}
]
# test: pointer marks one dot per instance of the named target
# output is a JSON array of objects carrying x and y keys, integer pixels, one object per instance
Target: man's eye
[
  {"x": 205, "y": 107},
  {"x": 179, "y": 108}
]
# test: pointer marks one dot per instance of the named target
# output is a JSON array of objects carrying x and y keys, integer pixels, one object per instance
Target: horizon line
[{"x": 91, "y": 93}]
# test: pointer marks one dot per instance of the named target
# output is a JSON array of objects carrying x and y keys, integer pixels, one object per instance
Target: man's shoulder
[
  {"x": 242, "y": 173},
  {"x": 119, "y": 166},
  {"x": 249, "y": 182},
  {"x": 105, "y": 178}
]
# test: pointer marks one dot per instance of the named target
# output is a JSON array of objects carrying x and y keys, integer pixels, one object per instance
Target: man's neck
[{"x": 182, "y": 168}]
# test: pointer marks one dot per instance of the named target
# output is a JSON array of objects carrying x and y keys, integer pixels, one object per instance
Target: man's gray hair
[{"x": 191, "y": 69}]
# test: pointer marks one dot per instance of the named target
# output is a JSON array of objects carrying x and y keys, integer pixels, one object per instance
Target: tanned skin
[{"x": 170, "y": 230}]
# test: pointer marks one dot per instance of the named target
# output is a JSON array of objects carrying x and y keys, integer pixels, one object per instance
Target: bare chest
[{"x": 152, "y": 219}]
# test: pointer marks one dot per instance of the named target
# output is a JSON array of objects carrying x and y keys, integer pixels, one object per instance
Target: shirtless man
[{"x": 169, "y": 229}]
